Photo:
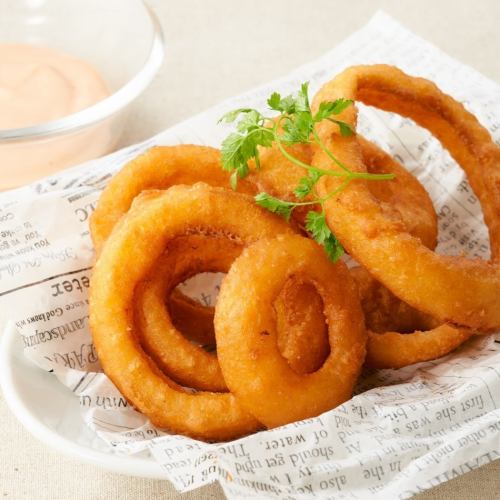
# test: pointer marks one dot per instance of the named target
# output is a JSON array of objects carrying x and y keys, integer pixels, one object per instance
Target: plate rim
[{"x": 127, "y": 465}]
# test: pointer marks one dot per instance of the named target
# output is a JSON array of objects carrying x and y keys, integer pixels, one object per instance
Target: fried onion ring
[
  {"x": 392, "y": 349},
  {"x": 135, "y": 245},
  {"x": 186, "y": 363},
  {"x": 245, "y": 329},
  {"x": 452, "y": 288},
  {"x": 387, "y": 319},
  {"x": 158, "y": 168}
]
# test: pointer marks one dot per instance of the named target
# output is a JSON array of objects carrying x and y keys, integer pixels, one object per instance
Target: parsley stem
[
  {"x": 303, "y": 203},
  {"x": 328, "y": 152},
  {"x": 288, "y": 156},
  {"x": 335, "y": 191},
  {"x": 351, "y": 175},
  {"x": 372, "y": 177},
  {"x": 311, "y": 168},
  {"x": 320, "y": 201}
]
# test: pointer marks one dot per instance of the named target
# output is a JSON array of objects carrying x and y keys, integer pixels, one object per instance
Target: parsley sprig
[{"x": 294, "y": 124}]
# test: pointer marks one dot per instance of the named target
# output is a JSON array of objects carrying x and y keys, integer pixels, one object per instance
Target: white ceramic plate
[{"x": 51, "y": 413}]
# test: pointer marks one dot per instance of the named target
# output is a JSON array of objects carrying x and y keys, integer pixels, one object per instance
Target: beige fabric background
[{"x": 216, "y": 49}]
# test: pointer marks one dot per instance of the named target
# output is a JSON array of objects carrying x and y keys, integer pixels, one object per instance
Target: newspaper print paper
[{"x": 405, "y": 431}]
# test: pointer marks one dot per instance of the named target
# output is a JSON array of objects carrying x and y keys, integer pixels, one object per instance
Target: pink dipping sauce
[{"x": 40, "y": 84}]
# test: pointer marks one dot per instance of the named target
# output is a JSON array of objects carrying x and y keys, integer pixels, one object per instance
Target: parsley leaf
[
  {"x": 238, "y": 148},
  {"x": 302, "y": 100},
  {"x": 274, "y": 101},
  {"x": 345, "y": 129},
  {"x": 275, "y": 205},
  {"x": 328, "y": 108},
  {"x": 234, "y": 152},
  {"x": 316, "y": 225},
  {"x": 297, "y": 118},
  {"x": 290, "y": 105},
  {"x": 307, "y": 183},
  {"x": 297, "y": 128},
  {"x": 333, "y": 248},
  {"x": 249, "y": 121},
  {"x": 232, "y": 115},
  {"x": 284, "y": 105}
]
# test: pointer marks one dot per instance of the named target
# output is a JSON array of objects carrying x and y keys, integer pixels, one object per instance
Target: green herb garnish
[{"x": 295, "y": 124}]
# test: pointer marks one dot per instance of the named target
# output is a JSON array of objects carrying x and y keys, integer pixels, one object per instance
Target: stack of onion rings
[
  {"x": 291, "y": 329},
  {"x": 404, "y": 195}
]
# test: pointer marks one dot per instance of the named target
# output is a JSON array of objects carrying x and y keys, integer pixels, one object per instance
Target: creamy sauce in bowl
[
  {"x": 37, "y": 85},
  {"x": 40, "y": 84}
]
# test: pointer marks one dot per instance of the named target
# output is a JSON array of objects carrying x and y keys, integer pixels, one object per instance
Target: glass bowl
[{"x": 121, "y": 39}]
